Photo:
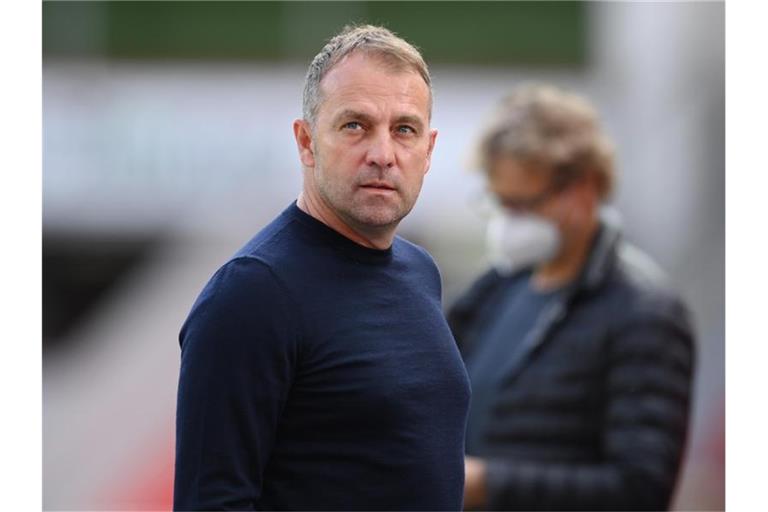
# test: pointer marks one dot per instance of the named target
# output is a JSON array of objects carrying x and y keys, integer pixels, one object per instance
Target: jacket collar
[
  {"x": 599, "y": 264},
  {"x": 603, "y": 252}
]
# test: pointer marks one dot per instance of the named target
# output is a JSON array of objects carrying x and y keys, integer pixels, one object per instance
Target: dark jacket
[{"x": 594, "y": 411}]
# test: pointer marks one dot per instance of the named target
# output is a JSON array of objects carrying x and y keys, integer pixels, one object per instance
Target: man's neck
[
  {"x": 569, "y": 262},
  {"x": 317, "y": 208}
]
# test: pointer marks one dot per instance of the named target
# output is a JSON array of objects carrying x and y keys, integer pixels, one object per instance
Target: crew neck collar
[{"x": 340, "y": 242}]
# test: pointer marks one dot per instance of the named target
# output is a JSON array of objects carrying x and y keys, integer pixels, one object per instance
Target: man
[
  {"x": 317, "y": 369},
  {"x": 580, "y": 357}
]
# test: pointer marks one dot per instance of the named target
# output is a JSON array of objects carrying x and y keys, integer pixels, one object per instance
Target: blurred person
[
  {"x": 317, "y": 369},
  {"x": 579, "y": 355}
]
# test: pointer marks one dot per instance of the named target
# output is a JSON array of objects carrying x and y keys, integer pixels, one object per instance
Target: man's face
[
  {"x": 521, "y": 188},
  {"x": 371, "y": 144},
  {"x": 525, "y": 188}
]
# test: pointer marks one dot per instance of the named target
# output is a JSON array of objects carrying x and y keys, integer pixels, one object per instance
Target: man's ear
[
  {"x": 591, "y": 189},
  {"x": 432, "y": 139},
  {"x": 303, "y": 134},
  {"x": 582, "y": 198}
]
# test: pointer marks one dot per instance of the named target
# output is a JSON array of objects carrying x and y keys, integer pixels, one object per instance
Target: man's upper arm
[
  {"x": 647, "y": 391},
  {"x": 238, "y": 354},
  {"x": 649, "y": 395}
]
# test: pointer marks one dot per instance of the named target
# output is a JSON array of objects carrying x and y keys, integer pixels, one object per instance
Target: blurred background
[{"x": 167, "y": 144}]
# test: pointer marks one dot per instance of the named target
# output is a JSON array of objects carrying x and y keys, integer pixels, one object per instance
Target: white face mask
[{"x": 516, "y": 241}]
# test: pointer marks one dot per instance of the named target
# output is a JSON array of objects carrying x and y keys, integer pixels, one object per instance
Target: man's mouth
[{"x": 378, "y": 185}]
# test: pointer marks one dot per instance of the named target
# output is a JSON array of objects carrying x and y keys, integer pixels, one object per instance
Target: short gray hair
[
  {"x": 551, "y": 128},
  {"x": 372, "y": 40}
]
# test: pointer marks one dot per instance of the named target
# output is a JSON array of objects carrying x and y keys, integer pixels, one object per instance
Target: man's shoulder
[
  {"x": 241, "y": 281},
  {"x": 284, "y": 246},
  {"x": 272, "y": 242},
  {"x": 419, "y": 266},
  {"x": 646, "y": 288},
  {"x": 242, "y": 291},
  {"x": 253, "y": 272},
  {"x": 414, "y": 253},
  {"x": 639, "y": 274}
]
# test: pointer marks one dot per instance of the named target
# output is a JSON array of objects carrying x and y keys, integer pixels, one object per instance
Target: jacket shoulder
[{"x": 647, "y": 289}]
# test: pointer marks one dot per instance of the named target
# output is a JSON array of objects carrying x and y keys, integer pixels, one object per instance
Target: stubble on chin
[
  {"x": 376, "y": 212},
  {"x": 361, "y": 209}
]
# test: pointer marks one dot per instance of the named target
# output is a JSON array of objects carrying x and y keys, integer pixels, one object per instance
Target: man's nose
[{"x": 381, "y": 152}]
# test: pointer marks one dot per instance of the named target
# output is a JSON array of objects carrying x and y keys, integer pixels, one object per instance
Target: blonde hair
[
  {"x": 376, "y": 41},
  {"x": 551, "y": 129}
]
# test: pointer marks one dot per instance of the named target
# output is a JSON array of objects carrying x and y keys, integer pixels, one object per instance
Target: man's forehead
[
  {"x": 506, "y": 171},
  {"x": 363, "y": 62},
  {"x": 359, "y": 80}
]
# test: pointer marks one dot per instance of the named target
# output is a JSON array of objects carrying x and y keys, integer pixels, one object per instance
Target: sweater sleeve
[
  {"x": 648, "y": 379},
  {"x": 238, "y": 356}
]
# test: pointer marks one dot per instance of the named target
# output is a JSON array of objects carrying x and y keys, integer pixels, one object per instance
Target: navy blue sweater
[{"x": 319, "y": 374}]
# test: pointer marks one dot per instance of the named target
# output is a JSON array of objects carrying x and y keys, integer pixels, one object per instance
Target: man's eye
[
  {"x": 405, "y": 129},
  {"x": 352, "y": 125}
]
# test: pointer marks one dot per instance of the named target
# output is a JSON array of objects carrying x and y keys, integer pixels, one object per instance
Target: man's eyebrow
[
  {"x": 409, "y": 119},
  {"x": 361, "y": 116},
  {"x": 352, "y": 114}
]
